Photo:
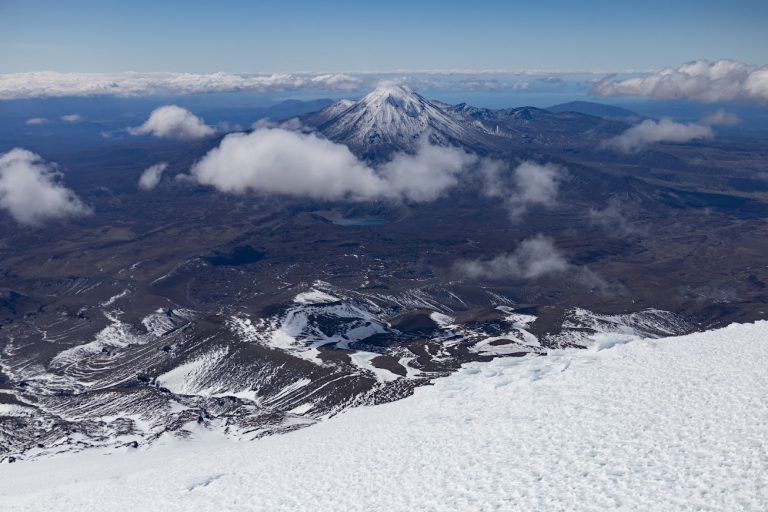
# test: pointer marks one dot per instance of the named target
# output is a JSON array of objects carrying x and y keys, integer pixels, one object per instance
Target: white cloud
[
  {"x": 650, "y": 131},
  {"x": 284, "y": 162},
  {"x": 531, "y": 185},
  {"x": 427, "y": 174},
  {"x": 720, "y": 118},
  {"x": 56, "y": 84},
  {"x": 336, "y": 81},
  {"x": 450, "y": 81},
  {"x": 613, "y": 220},
  {"x": 174, "y": 122},
  {"x": 71, "y": 118},
  {"x": 701, "y": 80},
  {"x": 534, "y": 258},
  {"x": 36, "y": 121},
  {"x": 469, "y": 84},
  {"x": 51, "y": 83},
  {"x": 279, "y": 161},
  {"x": 30, "y": 190},
  {"x": 293, "y": 124},
  {"x": 151, "y": 176}
]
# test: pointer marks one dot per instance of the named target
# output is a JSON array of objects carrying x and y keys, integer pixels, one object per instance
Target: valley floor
[{"x": 669, "y": 424}]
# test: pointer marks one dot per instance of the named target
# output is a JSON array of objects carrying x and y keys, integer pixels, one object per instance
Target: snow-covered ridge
[
  {"x": 672, "y": 424},
  {"x": 119, "y": 334},
  {"x": 580, "y": 326}
]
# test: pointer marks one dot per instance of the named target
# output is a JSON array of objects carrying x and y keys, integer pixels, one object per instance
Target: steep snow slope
[{"x": 669, "y": 424}]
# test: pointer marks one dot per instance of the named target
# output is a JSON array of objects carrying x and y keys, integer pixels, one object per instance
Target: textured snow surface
[{"x": 668, "y": 424}]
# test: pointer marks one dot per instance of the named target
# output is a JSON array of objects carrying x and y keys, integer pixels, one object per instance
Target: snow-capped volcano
[{"x": 391, "y": 117}]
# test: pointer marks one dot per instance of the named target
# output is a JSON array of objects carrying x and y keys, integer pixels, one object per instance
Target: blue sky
[{"x": 299, "y": 35}]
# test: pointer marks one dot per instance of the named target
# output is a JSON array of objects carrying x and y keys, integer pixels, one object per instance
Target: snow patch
[{"x": 315, "y": 297}]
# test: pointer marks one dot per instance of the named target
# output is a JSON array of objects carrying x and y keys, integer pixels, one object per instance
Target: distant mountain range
[{"x": 597, "y": 109}]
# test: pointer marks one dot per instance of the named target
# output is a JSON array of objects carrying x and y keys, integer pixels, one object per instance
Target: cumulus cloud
[
  {"x": 650, "y": 131},
  {"x": 71, "y": 118},
  {"x": 336, "y": 81},
  {"x": 30, "y": 189},
  {"x": 427, "y": 174},
  {"x": 151, "y": 176},
  {"x": 173, "y": 122},
  {"x": 36, "y": 121},
  {"x": 701, "y": 80},
  {"x": 284, "y": 162},
  {"x": 279, "y": 161},
  {"x": 534, "y": 258},
  {"x": 720, "y": 118},
  {"x": 532, "y": 184}
]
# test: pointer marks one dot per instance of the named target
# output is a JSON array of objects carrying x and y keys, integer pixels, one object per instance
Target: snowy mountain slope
[
  {"x": 393, "y": 117},
  {"x": 327, "y": 113},
  {"x": 674, "y": 424}
]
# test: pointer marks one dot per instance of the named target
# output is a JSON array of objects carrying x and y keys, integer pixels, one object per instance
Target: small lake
[{"x": 359, "y": 222}]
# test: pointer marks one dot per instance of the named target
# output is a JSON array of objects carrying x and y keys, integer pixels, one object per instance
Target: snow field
[{"x": 670, "y": 424}]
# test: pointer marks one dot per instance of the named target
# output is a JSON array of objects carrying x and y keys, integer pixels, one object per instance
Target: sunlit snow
[{"x": 628, "y": 424}]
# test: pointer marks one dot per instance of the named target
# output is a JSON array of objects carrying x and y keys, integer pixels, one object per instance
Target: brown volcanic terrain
[{"x": 679, "y": 228}]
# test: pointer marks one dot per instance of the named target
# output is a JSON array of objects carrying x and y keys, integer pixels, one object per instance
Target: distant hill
[
  {"x": 596, "y": 109},
  {"x": 290, "y": 108}
]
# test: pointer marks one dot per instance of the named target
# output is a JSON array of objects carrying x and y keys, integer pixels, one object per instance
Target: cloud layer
[
  {"x": 151, "y": 176},
  {"x": 701, "y": 80},
  {"x": 55, "y": 84},
  {"x": 532, "y": 184},
  {"x": 279, "y": 161},
  {"x": 650, "y": 131},
  {"x": 173, "y": 122},
  {"x": 534, "y": 258},
  {"x": 30, "y": 190},
  {"x": 51, "y": 83}
]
